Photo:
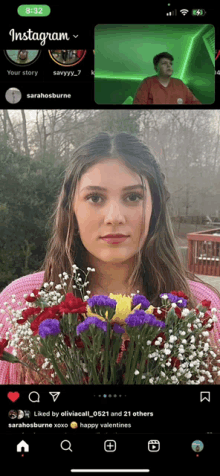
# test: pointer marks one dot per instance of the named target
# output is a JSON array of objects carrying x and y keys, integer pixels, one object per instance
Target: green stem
[
  {"x": 130, "y": 355},
  {"x": 134, "y": 363},
  {"x": 95, "y": 352},
  {"x": 90, "y": 358},
  {"x": 107, "y": 340},
  {"x": 57, "y": 370},
  {"x": 116, "y": 349},
  {"x": 142, "y": 366},
  {"x": 70, "y": 360}
]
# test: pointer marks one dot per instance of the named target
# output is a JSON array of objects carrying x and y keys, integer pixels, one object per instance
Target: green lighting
[
  {"x": 124, "y": 57},
  {"x": 190, "y": 51},
  {"x": 110, "y": 75}
]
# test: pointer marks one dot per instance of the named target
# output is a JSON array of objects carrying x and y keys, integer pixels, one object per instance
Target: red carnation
[
  {"x": 204, "y": 321},
  {"x": 161, "y": 346},
  {"x": 72, "y": 305},
  {"x": 179, "y": 294},
  {"x": 67, "y": 340},
  {"x": 175, "y": 362},
  {"x": 3, "y": 344},
  {"x": 178, "y": 312},
  {"x": 48, "y": 313},
  {"x": 28, "y": 313},
  {"x": 36, "y": 295},
  {"x": 161, "y": 316},
  {"x": 206, "y": 303},
  {"x": 79, "y": 343}
]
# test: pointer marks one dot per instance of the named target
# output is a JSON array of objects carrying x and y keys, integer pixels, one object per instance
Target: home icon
[{"x": 22, "y": 446}]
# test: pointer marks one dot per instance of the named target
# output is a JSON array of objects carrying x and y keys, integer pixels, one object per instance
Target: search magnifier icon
[
  {"x": 34, "y": 397},
  {"x": 63, "y": 444}
]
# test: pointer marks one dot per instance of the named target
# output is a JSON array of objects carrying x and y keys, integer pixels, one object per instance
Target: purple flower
[
  {"x": 159, "y": 323},
  {"x": 181, "y": 302},
  {"x": 102, "y": 301},
  {"x": 49, "y": 327},
  {"x": 83, "y": 326},
  {"x": 170, "y": 296},
  {"x": 140, "y": 317},
  {"x": 118, "y": 329},
  {"x": 173, "y": 298},
  {"x": 140, "y": 299}
]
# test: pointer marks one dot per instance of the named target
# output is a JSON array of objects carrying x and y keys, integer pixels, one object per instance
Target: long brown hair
[{"x": 159, "y": 263}]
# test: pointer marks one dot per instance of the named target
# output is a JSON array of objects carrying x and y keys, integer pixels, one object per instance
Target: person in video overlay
[
  {"x": 147, "y": 261},
  {"x": 162, "y": 89}
]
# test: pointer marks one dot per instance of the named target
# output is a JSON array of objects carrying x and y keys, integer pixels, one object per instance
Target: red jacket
[{"x": 151, "y": 91}]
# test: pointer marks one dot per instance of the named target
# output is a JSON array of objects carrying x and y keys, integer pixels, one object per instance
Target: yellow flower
[
  {"x": 123, "y": 309},
  {"x": 90, "y": 313},
  {"x": 150, "y": 310}
]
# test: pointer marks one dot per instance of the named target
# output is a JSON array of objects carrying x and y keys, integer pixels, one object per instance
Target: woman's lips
[{"x": 116, "y": 240}]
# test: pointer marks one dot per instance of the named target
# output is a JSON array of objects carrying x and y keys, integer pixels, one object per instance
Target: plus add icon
[{"x": 110, "y": 445}]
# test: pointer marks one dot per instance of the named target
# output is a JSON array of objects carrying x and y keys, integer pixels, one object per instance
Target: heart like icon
[{"x": 13, "y": 396}]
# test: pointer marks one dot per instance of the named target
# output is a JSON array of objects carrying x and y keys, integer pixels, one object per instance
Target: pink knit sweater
[{"x": 15, "y": 373}]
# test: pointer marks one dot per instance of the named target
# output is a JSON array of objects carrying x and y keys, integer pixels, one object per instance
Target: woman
[{"x": 113, "y": 185}]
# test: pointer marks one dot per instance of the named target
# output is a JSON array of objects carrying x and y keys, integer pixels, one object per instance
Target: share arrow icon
[{"x": 54, "y": 395}]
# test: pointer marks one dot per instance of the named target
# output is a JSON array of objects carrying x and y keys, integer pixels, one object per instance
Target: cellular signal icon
[
  {"x": 184, "y": 12},
  {"x": 174, "y": 12}
]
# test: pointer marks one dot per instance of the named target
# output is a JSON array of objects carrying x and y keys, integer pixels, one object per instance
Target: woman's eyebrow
[{"x": 97, "y": 187}]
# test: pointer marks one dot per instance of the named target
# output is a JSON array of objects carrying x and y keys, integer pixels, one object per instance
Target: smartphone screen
[{"x": 109, "y": 239}]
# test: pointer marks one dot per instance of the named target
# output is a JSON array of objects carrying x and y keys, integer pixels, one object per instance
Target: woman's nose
[{"x": 114, "y": 211}]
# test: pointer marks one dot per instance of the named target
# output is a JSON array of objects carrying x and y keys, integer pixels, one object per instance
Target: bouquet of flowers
[{"x": 112, "y": 339}]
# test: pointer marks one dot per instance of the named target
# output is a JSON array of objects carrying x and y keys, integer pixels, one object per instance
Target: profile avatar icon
[
  {"x": 67, "y": 57},
  {"x": 197, "y": 446},
  {"x": 22, "y": 57},
  {"x": 20, "y": 414},
  {"x": 12, "y": 414},
  {"x": 13, "y": 95}
]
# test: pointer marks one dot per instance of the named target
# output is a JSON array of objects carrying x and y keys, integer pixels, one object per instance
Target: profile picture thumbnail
[
  {"x": 197, "y": 446},
  {"x": 13, "y": 95},
  {"x": 22, "y": 57},
  {"x": 67, "y": 57},
  {"x": 12, "y": 414}
]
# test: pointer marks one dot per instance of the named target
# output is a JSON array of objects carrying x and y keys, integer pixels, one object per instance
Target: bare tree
[{"x": 25, "y": 139}]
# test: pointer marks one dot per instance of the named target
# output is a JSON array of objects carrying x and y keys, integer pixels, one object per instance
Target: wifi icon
[{"x": 184, "y": 12}]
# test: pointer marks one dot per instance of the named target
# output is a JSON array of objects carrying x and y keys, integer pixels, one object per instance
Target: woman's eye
[
  {"x": 93, "y": 196},
  {"x": 136, "y": 195},
  {"x": 133, "y": 195}
]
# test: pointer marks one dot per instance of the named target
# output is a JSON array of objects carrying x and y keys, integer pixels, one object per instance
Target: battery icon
[{"x": 198, "y": 13}]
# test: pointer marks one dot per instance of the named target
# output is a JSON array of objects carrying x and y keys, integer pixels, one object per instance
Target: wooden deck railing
[{"x": 204, "y": 252}]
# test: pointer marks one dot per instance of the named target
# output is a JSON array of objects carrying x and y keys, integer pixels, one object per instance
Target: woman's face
[{"x": 114, "y": 210}]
